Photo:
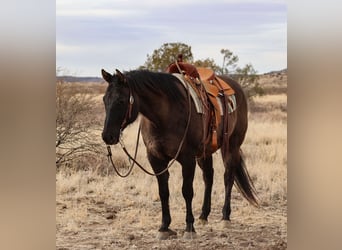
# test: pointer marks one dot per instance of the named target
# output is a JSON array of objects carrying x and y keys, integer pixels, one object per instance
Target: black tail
[{"x": 244, "y": 183}]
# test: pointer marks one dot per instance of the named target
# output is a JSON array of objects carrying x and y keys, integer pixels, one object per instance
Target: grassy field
[{"x": 96, "y": 209}]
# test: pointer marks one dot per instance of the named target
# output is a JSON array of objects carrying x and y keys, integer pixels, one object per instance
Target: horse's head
[{"x": 120, "y": 106}]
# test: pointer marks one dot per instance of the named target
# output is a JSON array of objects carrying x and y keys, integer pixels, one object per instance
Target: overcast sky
[{"x": 110, "y": 34}]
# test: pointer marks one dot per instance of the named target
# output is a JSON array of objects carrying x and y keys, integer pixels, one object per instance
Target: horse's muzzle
[{"x": 110, "y": 139}]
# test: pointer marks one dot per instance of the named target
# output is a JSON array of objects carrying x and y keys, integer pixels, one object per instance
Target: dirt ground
[{"x": 89, "y": 220}]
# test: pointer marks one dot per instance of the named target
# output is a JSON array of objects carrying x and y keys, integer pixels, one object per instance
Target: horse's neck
[{"x": 154, "y": 107}]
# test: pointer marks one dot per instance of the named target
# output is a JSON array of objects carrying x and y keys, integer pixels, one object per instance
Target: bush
[{"x": 76, "y": 126}]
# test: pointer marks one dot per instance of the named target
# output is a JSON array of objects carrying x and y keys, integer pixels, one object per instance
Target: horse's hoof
[
  {"x": 189, "y": 235},
  {"x": 226, "y": 224},
  {"x": 166, "y": 235},
  {"x": 202, "y": 222}
]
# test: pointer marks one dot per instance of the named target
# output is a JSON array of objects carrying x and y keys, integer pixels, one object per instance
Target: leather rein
[{"x": 133, "y": 159}]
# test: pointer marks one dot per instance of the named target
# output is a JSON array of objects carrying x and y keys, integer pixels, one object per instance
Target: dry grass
[{"x": 85, "y": 199}]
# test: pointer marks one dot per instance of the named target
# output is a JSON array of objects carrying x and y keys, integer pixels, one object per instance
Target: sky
[{"x": 119, "y": 34}]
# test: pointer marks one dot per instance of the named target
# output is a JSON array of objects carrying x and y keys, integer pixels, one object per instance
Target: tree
[
  {"x": 229, "y": 62},
  {"x": 166, "y": 54},
  {"x": 248, "y": 78},
  {"x": 208, "y": 63}
]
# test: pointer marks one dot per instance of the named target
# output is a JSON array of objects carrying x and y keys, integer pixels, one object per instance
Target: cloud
[{"x": 93, "y": 33}]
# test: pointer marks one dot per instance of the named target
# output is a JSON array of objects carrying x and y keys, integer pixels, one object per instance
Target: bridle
[
  {"x": 124, "y": 123},
  {"x": 128, "y": 111}
]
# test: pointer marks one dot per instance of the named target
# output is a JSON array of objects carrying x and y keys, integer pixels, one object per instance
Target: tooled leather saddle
[{"x": 212, "y": 91}]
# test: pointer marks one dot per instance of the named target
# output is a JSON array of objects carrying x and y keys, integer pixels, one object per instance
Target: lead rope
[
  {"x": 136, "y": 147},
  {"x": 109, "y": 155}
]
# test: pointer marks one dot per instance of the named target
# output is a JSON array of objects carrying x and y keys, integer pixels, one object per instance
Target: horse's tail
[{"x": 244, "y": 182}]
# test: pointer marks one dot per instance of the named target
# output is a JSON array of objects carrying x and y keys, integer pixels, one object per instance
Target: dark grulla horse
[{"x": 162, "y": 101}]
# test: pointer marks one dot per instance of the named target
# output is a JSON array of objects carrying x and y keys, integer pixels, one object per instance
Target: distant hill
[
  {"x": 87, "y": 79},
  {"x": 79, "y": 79},
  {"x": 277, "y": 72},
  {"x": 274, "y": 82}
]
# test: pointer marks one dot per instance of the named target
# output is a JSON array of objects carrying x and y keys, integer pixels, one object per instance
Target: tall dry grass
[{"x": 136, "y": 197}]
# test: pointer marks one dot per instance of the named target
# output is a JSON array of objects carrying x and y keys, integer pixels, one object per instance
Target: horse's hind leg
[
  {"x": 230, "y": 163},
  {"x": 163, "y": 179},
  {"x": 206, "y": 164}
]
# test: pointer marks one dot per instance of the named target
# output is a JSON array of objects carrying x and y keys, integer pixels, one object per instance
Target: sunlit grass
[{"x": 265, "y": 149}]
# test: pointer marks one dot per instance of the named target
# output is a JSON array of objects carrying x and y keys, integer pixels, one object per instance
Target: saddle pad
[
  {"x": 231, "y": 104},
  {"x": 194, "y": 96}
]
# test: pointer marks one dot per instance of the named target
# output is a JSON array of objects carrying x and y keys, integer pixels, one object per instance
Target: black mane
[{"x": 158, "y": 82}]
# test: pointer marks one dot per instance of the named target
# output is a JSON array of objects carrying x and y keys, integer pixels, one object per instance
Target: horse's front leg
[
  {"x": 163, "y": 184},
  {"x": 188, "y": 171}
]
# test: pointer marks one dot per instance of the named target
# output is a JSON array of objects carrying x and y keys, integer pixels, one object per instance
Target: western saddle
[{"x": 213, "y": 93}]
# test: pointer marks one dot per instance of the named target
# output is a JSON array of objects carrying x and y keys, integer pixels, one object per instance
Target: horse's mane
[{"x": 157, "y": 82}]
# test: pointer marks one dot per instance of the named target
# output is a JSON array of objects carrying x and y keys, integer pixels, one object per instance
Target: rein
[{"x": 133, "y": 159}]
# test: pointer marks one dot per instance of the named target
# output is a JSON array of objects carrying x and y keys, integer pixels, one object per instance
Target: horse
[{"x": 162, "y": 101}]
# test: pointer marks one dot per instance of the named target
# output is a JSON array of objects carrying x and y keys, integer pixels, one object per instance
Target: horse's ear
[
  {"x": 107, "y": 76},
  {"x": 120, "y": 76}
]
